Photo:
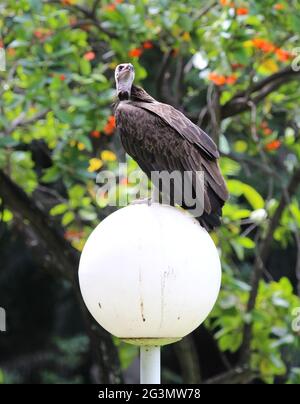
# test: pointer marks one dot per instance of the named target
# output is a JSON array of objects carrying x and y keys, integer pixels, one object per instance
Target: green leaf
[
  {"x": 234, "y": 213},
  {"x": 239, "y": 188},
  {"x": 246, "y": 242},
  {"x": 87, "y": 214},
  {"x": 286, "y": 340},
  {"x": 79, "y": 102},
  {"x": 76, "y": 192},
  {"x": 67, "y": 218},
  {"x": 6, "y": 216},
  {"x": 63, "y": 116},
  {"x": 240, "y": 146},
  {"x": 22, "y": 171},
  {"x": 224, "y": 145},
  {"x": 58, "y": 209},
  {"x": 229, "y": 166},
  {"x": 7, "y": 141},
  {"x": 85, "y": 67},
  {"x": 238, "y": 248},
  {"x": 228, "y": 301},
  {"x": 52, "y": 174},
  {"x": 230, "y": 342},
  {"x": 280, "y": 302}
]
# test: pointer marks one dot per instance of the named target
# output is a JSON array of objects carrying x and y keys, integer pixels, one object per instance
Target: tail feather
[{"x": 210, "y": 220}]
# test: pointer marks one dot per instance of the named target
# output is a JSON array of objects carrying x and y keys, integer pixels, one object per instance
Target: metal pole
[{"x": 150, "y": 365}]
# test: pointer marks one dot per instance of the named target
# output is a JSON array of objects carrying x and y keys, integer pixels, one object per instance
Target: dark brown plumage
[{"x": 159, "y": 137}]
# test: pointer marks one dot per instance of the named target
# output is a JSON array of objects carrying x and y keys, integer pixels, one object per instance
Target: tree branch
[
  {"x": 95, "y": 5},
  {"x": 65, "y": 257},
  {"x": 284, "y": 73},
  {"x": 21, "y": 121},
  {"x": 186, "y": 353},
  {"x": 160, "y": 82},
  {"x": 238, "y": 375},
  {"x": 251, "y": 162},
  {"x": 214, "y": 110},
  {"x": 240, "y": 102},
  {"x": 204, "y": 11},
  {"x": 243, "y": 100}
]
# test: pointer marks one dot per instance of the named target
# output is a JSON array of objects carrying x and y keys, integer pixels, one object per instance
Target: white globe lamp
[{"x": 150, "y": 274}]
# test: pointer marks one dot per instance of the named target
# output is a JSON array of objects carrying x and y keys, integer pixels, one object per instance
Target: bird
[{"x": 161, "y": 138}]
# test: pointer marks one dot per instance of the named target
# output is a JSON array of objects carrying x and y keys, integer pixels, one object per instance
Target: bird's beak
[{"x": 126, "y": 70}]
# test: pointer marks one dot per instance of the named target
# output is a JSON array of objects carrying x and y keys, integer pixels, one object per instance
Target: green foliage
[
  {"x": 56, "y": 121},
  {"x": 272, "y": 321},
  {"x": 71, "y": 352}
]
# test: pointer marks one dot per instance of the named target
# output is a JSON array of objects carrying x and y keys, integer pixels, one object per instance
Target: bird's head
[{"x": 124, "y": 76}]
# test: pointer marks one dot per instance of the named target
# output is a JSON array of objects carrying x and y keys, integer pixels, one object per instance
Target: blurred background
[{"x": 232, "y": 67}]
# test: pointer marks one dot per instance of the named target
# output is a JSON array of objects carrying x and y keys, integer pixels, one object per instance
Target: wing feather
[{"x": 186, "y": 128}]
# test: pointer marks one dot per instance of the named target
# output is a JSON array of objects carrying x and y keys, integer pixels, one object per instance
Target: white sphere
[{"x": 149, "y": 272}]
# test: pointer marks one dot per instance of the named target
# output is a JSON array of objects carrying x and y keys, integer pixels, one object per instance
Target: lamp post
[
  {"x": 149, "y": 274},
  {"x": 150, "y": 365}
]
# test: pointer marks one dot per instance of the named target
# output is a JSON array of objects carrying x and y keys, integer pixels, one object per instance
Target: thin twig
[
  {"x": 90, "y": 14},
  {"x": 238, "y": 375},
  {"x": 20, "y": 121},
  {"x": 204, "y": 11}
]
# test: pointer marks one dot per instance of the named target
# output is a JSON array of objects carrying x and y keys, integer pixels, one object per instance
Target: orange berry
[
  {"x": 147, "y": 45},
  {"x": 279, "y": 6},
  {"x": 263, "y": 45},
  {"x": 95, "y": 133},
  {"x": 236, "y": 66},
  {"x": 267, "y": 131},
  {"x": 264, "y": 124},
  {"x": 218, "y": 80},
  {"x": 274, "y": 145},
  {"x": 135, "y": 52},
  {"x": 73, "y": 234},
  {"x": 242, "y": 11},
  {"x": 231, "y": 79},
  {"x": 283, "y": 55},
  {"x": 89, "y": 56},
  {"x": 110, "y": 7},
  {"x": 110, "y": 126}
]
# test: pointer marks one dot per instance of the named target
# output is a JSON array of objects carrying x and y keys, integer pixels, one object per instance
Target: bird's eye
[{"x": 121, "y": 67}]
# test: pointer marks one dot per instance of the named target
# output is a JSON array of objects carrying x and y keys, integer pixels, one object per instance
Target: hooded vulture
[{"x": 160, "y": 138}]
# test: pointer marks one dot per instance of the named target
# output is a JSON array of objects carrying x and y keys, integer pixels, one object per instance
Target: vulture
[{"x": 161, "y": 138}]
